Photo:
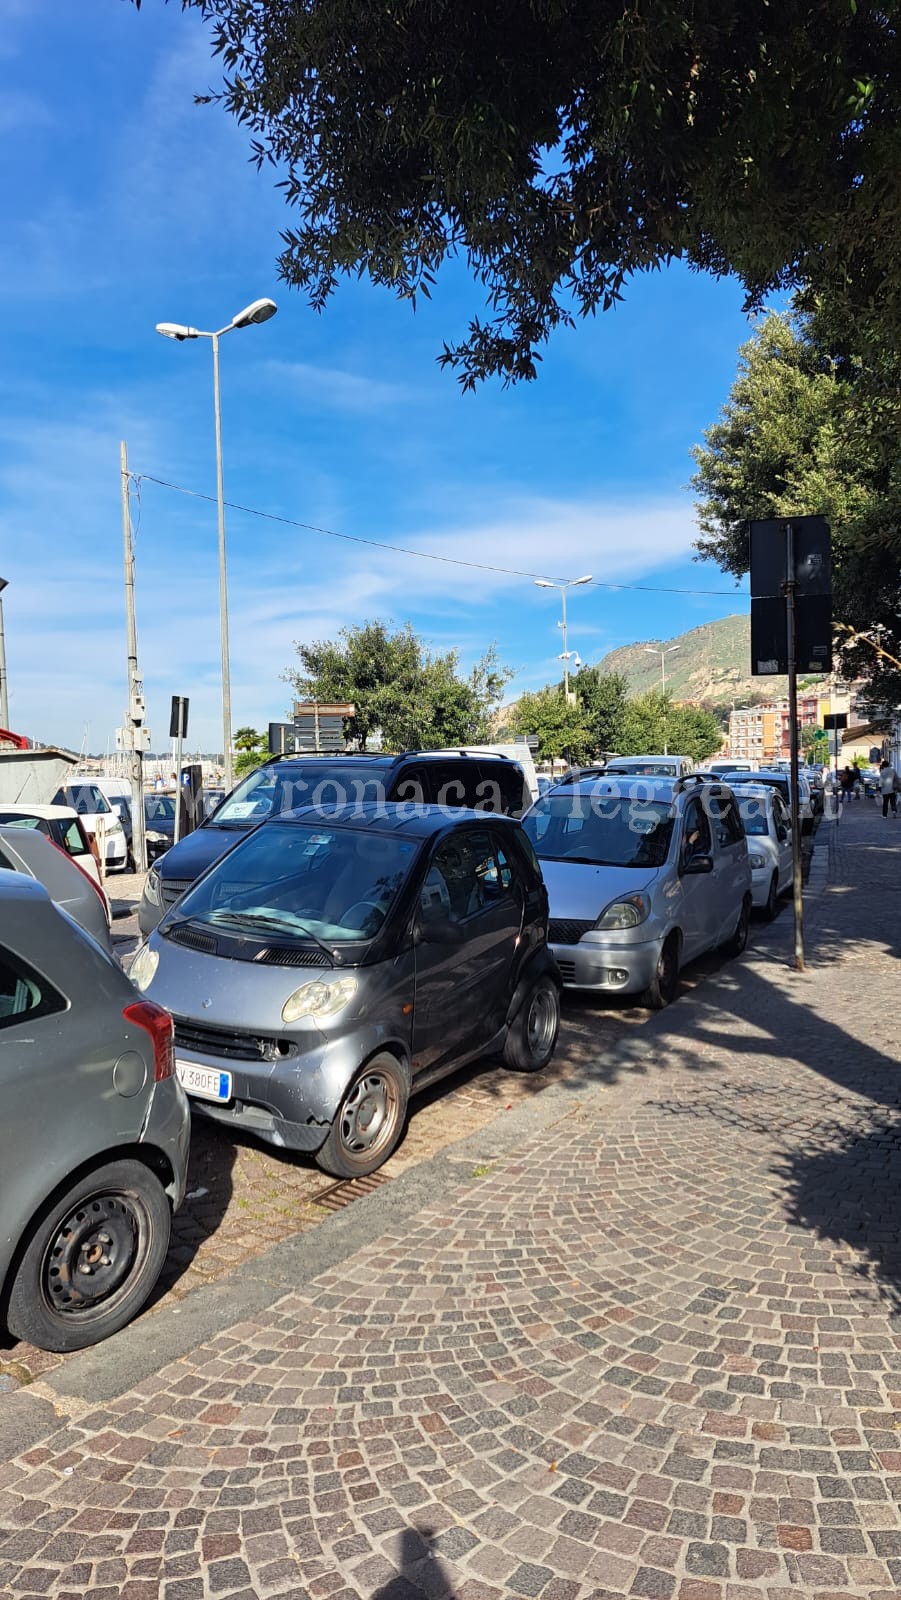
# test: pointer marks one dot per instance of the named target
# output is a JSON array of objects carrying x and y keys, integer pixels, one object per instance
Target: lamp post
[
  {"x": 257, "y": 311},
  {"x": 4, "y": 694},
  {"x": 653, "y": 650},
  {"x": 571, "y": 583}
]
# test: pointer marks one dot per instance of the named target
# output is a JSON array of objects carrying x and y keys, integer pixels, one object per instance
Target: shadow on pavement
[
  {"x": 848, "y": 1193},
  {"x": 420, "y": 1572},
  {"x": 207, "y": 1199}
]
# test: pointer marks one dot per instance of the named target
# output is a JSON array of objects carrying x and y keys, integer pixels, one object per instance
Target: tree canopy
[
  {"x": 401, "y": 690},
  {"x": 253, "y": 747},
  {"x": 559, "y": 148},
  {"x": 811, "y": 425},
  {"x": 558, "y": 724},
  {"x": 651, "y": 723}
]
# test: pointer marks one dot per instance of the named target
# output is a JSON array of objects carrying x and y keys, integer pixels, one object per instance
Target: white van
[
  {"x": 720, "y": 768},
  {"x": 649, "y": 767}
]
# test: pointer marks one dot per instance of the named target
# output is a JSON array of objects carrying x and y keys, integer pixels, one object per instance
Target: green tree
[
  {"x": 559, "y": 148},
  {"x": 651, "y": 723},
  {"x": 558, "y": 724},
  {"x": 811, "y": 426},
  {"x": 815, "y": 744},
  {"x": 413, "y": 698},
  {"x": 602, "y": 697},
  {"x": 254, "y": 748}
]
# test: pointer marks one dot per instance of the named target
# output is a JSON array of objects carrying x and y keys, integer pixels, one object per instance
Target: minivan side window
[
  {"x": 696, "y": 838},
  {"x": 727, "y": 823}
]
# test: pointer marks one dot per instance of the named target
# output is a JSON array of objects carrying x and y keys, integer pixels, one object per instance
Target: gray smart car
[
  {"x": 334, "y": 961},
  {"x": 94, "y": 1129}
]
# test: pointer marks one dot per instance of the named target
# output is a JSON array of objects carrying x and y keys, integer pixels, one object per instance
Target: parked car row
[{"x": 337, "y": 935}]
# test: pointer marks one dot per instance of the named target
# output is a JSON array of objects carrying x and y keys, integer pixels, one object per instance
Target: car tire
[
  {"x": 664, "y": 985},
  {"x": 737, "y": 943},
  {"x": 532, "y": 1035},
  {"x": 118, "y": 1217},
  {"x": 772, "y": 899},
  {"x": 369, "y": 1121}
]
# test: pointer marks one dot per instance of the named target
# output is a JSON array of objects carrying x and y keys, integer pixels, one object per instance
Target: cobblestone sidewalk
[{"x": 657, "y": 1353}]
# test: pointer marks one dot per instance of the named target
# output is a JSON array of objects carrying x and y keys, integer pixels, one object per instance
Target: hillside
[{"x": 712, "y": 665}]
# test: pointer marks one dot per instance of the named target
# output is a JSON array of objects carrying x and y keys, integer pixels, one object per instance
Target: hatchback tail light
[{"x": 154, "y": 1020}]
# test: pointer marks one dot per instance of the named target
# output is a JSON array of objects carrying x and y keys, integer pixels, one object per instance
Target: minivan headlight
[
  {"x": 318, "y": 999},
  {"x": 153, "y": 887},
  {"x": 757, "y": 861},
  {"x": 627, "y": 913},
  {"x": 143, "y": 967}
]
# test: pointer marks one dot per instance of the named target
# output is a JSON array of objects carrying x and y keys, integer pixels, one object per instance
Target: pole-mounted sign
[{"x": 791, "y": 631}]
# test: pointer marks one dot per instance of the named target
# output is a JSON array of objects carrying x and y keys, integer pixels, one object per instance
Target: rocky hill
[{"x": 711, "y": 667}]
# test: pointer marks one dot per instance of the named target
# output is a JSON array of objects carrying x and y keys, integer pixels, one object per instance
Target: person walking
[
  {"x": 848, "y": 777},
  {"x": 888, "y": 783}
]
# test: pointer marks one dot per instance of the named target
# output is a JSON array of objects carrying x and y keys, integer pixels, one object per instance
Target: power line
[{"x": 422, "y": 555}]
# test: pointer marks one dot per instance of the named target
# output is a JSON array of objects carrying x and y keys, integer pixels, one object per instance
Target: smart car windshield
[
  {"x": 600, "y": 830},
  {"x": 271, "y": 790},
  {"x": 331, "y": 885}
]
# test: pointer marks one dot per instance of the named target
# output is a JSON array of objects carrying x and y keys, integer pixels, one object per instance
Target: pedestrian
[
  {"x": 889, "y": 783},
  {"x": 848, "y": 781}
]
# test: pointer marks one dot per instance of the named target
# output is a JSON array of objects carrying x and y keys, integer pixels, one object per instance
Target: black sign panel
[
  {"x": 769, "y": 556},
  {"x": 813, "y": 636},
  {"x": 178, "y": 717},
  {"x": 835, "y": 719}
]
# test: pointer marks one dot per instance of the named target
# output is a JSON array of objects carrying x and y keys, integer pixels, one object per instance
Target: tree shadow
[{"x": 420, "y": 1573}]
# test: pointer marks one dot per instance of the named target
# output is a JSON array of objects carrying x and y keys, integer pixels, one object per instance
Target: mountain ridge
[{"x": 710, "y": 665}]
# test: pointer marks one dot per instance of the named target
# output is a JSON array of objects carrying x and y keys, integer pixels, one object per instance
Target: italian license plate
[{"x": 206, "y": 1082}]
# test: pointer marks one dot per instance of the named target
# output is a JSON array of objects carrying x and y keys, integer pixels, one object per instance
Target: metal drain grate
[{"x": 339, "y": 1195}]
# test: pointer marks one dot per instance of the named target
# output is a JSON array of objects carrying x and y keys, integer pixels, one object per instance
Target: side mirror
[
  {"x": 782, "y": 834},
  {"x": 696, "y": 866}
]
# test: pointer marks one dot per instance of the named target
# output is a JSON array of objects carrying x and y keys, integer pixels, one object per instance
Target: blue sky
[{"x": 125, "y": 205}]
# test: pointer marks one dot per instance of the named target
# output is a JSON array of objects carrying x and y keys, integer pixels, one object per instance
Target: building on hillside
[{"x": 762, "y": 733}]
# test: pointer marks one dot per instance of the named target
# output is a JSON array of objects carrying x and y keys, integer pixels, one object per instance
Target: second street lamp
[
  {"x": 257, "y": 311},
  {"x": 571, "y": 583},
  {"x": 654, "y": 650}
]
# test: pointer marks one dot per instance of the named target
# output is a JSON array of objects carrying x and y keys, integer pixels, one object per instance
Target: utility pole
[
  {"x": 134, "y": 733},
  {"x": 4, "y": 692}
]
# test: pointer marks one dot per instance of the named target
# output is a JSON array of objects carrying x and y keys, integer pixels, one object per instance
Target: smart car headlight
[
  {"x": 626, "y": 913},
  {"x": 143, "y": 967},
  {"x": 318, "y": 999}
]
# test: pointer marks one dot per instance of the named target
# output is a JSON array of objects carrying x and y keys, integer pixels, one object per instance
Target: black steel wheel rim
[
  {"x": 541, "y": 1022},
  {"x": 92, "y": 1254}
]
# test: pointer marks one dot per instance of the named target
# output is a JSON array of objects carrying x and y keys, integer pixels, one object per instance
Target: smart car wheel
[
  {"x": 369, "y": 1121},
  {"x": 92, "y": 1260},
  {"x": 532, "y": 1034},
  {"x": 663, "y": 986}
]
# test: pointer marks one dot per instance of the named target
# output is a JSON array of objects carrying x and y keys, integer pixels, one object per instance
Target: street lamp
[
  {"x": 571, "y": 583},
  {"x": 257, "y": 311},
  {"x": 4, "y": 696},
  {"x": 654, "y": 650}
]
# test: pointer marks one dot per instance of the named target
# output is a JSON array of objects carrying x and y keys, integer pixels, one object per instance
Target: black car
[
  {"x": 336, "y": 961},
  {"x": 481, "y": 782},
  {"x": 159, "y": 823}
]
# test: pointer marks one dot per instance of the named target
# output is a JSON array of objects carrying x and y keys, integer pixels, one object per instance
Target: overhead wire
[{"x": 422, "y": 555}]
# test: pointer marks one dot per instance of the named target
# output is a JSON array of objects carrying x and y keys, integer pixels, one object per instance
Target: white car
[
  {"x": 61, "y": 824},
  {"x": 768, "y": 828},
  {"x": 98, "y": 818}
]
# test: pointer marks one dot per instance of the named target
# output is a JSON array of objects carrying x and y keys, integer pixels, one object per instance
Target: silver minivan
[{"x": 643, "y": 875}]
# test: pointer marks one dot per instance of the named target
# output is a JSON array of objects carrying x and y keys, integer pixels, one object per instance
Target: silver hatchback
[
  {"x": 643, "y": 875},
  {"x": 94, "y": 1129}
]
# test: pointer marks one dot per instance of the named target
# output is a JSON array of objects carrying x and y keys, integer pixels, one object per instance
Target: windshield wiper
[{"x": 260, "y": 919}]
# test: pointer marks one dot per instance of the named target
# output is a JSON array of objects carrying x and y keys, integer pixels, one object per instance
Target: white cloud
[{"x": 313, "y": 387}]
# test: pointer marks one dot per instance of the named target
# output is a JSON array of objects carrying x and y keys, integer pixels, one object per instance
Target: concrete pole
[
  {"x": 134, "y": 720},
  {"x": 565, "y": 649},
  {"x": 223, "y": 584}
]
